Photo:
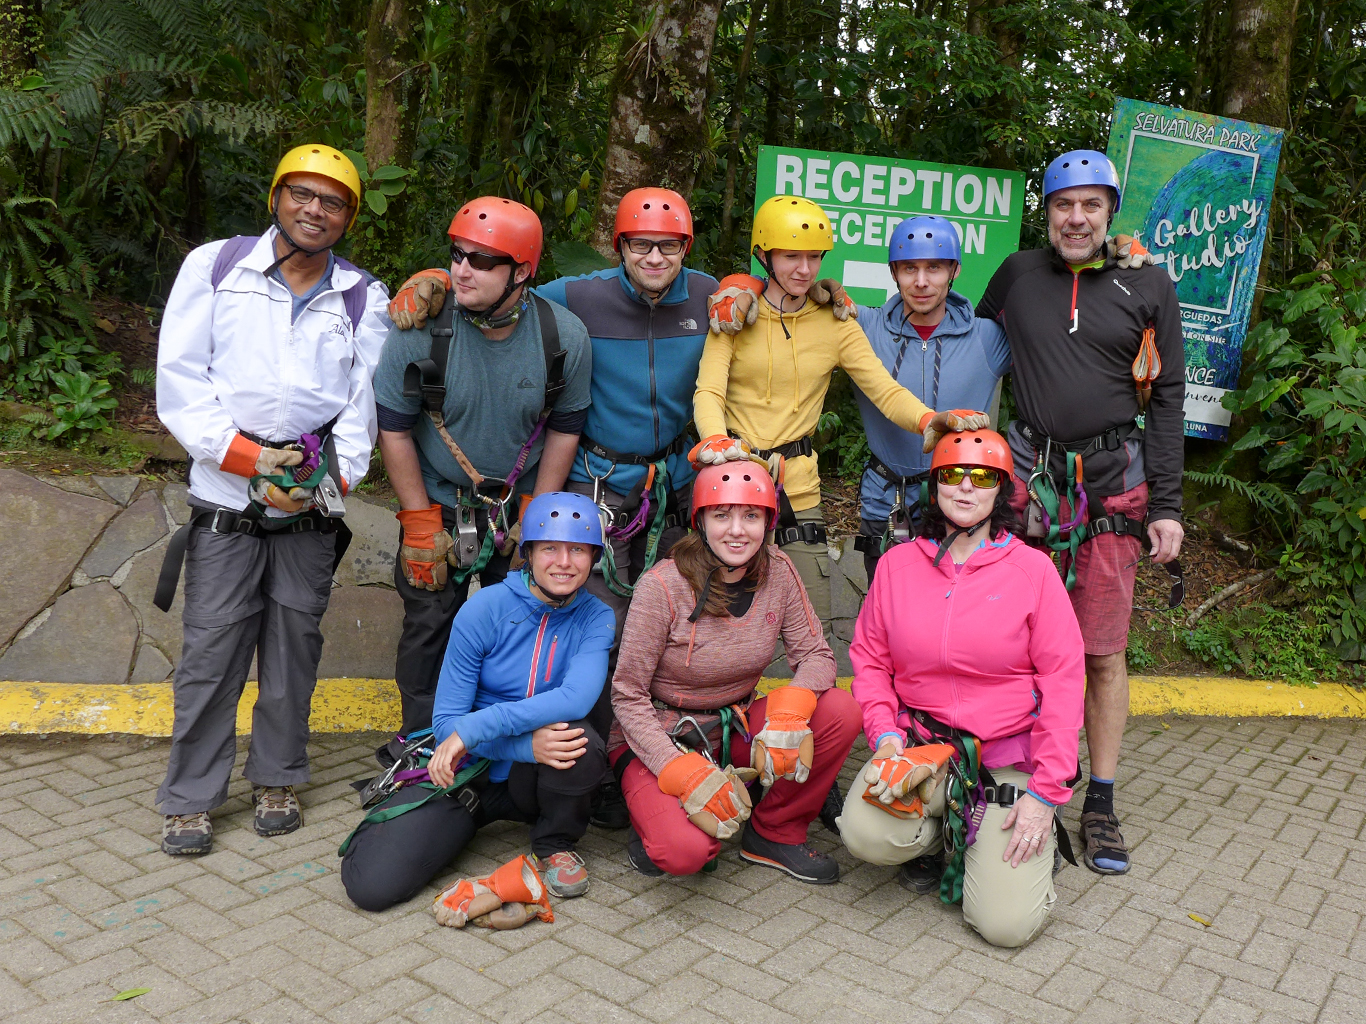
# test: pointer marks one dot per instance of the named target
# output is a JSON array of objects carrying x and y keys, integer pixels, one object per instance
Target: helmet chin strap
[
  {"x": 486, "y": 320},
  {"x": 294, "y": 247},
  {"x": 954, "y": 534},
  {"x": 767, "y": 264}
]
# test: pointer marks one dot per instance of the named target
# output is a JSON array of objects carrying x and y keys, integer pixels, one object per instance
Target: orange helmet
[
  {"x": 734, "y": 483},
  {"x": 973, "y": 448},
  {"x": 503, "y": 225},
  {"x": 653, "y": 209}
]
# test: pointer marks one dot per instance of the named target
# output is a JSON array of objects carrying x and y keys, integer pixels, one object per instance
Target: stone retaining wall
[{"x": 80, "y": 557}]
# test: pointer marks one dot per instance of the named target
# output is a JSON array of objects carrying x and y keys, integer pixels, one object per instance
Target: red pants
[{"x": 679, "y": 847}]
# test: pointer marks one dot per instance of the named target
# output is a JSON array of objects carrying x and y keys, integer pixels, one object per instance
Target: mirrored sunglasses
[{"x": 981, "y": 476}]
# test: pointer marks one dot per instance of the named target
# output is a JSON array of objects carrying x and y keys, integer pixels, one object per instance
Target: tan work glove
[
  {"x": 508, "y": 898},
  {"x": 900, "y": 782},
  {"x": 296, "y": 499},
  {"x": 829, "y": 292},
  {"x": 426, "y": 545},
  {"x": 734, "y": 304},
  {"x": 714, "y": 799},
  {"x": 718, "y": 448},
  {"x": 419, "y": 297},
  {"x": 1128, "y": 251},
  {"x": 936, "y": 425},
  {"x": 785, "y": 746}
]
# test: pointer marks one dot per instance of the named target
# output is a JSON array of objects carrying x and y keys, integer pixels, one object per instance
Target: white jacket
[{"x": 232, "y": 361}]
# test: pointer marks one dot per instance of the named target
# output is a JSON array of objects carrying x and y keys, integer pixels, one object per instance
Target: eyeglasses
[
  {"x": 980, "y": 476},
  {"x": 479, "y": 260},
  {"x": 666, "y": 246},
  {"x": 303, "y": 196}
]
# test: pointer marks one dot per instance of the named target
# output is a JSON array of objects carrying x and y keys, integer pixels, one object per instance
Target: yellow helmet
[
  {"x": 315, "y": 158},
  {"x": 791, "y": 222}
]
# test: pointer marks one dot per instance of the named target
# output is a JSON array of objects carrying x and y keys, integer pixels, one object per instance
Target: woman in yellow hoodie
[{"x": 766, "y": 368}]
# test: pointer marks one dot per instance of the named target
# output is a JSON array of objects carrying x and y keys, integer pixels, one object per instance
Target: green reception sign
[
  {"x": 867, "y": 196},
  {"x": 1197, "y": 192}
]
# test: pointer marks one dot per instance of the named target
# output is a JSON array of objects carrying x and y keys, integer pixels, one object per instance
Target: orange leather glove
[
  {"x": 296, "y": 499},
  {"x": 508, "y": 898},
  {"x": 425, "y": 547},
  {"x": 715, "y": 800},
  {"x": 419, "y": 297},
  {"x": 784, "y": 747},
  {"x": 717, "y": 449},
  {"x": 900, "y": 783},
  {"x": 829, "y": 292},
  {"x": 935, "y": 425},
  {"x": 1128, "y": 251},
  {"x": 735, "y": 303},
  {"x": 247, "y": 458}
]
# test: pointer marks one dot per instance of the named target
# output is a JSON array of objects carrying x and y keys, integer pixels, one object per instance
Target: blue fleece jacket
[
  {"x": 514, "y": 664},
  {"x": 973, "y": 356},
  {"x": 645, "y": 360}
]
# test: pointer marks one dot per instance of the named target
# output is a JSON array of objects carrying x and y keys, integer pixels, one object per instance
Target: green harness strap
[
  {"x": 285, "y": 480},
  {"x": 961, "y": 781},
  {"x": 380, "y": 814},
  {"x": 609, "y": 560},
  {"x": 1043, "y": 488}
]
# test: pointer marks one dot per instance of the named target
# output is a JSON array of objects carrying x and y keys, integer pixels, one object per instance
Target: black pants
[
  {"x": 427, "y": 618},
  {"x": 391, "y": 861}
]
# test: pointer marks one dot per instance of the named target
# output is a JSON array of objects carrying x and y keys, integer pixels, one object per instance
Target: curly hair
[{"x": 1004, "y": 519}]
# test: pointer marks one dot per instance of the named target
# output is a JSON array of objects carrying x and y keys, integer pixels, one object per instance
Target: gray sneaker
[
  {"x": 277, "y": 810},
  {"x": 184, "y": 834}
]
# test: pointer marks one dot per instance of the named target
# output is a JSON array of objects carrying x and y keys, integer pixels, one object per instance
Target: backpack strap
[
  {"x": 230, "y": 255},
  {"x": 425, "y": 379},
  {"x": 554, "y": 354},
  {"x": 354, "y": 296}
]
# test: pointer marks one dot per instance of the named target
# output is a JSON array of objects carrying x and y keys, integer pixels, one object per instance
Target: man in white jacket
[{"x": 264, "y": 372}]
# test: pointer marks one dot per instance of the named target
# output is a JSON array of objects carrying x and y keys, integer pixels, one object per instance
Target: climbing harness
[
  {"x": 900, "y": 517},
  {"x": 626, "y": 521},
  {"x": 471, "y": 777},
  {"x": 425, "y": 380},
  {"x": 787, "y": 530}
]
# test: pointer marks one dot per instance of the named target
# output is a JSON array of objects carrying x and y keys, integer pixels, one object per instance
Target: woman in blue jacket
[{"x": 526, "y": 661}]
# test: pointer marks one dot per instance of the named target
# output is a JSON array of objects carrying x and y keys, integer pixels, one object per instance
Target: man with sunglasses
[
  {"x": 1095, "y": 338},
  {"x": 930, "y": 342},
  {"x": 647, "y": 319},
  {"x": 264, "y": 364},
  {"x": 471, "y": 427}
]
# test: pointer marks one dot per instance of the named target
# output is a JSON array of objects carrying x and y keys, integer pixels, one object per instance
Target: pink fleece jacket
[{"x": 994, "y": 650}]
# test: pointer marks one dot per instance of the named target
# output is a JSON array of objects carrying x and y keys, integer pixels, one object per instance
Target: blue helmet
[
  {"x": 1081, "y": 167},
  {"x": 561, "y": 515},
  {"x": 924, "y": 238}
]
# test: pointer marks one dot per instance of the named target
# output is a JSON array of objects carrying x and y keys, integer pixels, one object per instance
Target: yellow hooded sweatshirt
[{"x": 769, "y": 389}]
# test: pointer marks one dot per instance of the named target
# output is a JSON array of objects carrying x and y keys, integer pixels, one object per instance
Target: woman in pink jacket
[{"x": 967, "y": 639}]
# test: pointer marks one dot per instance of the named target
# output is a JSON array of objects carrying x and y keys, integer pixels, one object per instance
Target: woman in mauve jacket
[{"x": 967, "y": 632}]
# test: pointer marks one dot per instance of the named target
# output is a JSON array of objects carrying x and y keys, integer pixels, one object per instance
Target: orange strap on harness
[{"x": 1147, "y": 366}]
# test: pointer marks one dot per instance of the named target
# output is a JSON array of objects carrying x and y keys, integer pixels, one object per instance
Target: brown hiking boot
[
  {"x": 185, "y": 834},
  {"x": 277, "y": 810}
]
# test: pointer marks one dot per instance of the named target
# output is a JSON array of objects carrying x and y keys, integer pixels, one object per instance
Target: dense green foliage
[{"x": 144, "y": 127}]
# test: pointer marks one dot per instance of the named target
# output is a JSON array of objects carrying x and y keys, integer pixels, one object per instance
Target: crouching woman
[
  {"x": 701, "y": 630},
  {"x": 526, "y": 661},
  {"x": 967, "y": 651}
]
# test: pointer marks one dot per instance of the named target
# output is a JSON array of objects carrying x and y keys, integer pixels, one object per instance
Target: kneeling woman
[
  {"x": 967, "y": 634},
  {"x": 526, "y": 661},
  {"x": 701, "y": 630}
]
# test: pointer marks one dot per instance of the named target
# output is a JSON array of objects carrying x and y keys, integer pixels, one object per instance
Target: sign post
[
  {"x": 867, "y": 196},
  {"x": 1197, "y": 192}
]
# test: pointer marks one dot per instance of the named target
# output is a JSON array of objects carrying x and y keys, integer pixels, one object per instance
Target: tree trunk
[
  {"x": 658, "y": 129},
  {"x": 21, "y": 30},
  {"x": 990, "y": 20},
  {"x": 392, "y": 87},
  {"x": 756, "y": 11},
  {"x": 1252, "y": 80}
]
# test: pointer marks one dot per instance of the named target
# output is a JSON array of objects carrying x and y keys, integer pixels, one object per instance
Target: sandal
[{"x": 1103, "y": 847}]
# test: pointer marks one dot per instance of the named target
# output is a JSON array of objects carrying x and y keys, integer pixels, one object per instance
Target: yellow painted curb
[{"x": 372, "y": 705}]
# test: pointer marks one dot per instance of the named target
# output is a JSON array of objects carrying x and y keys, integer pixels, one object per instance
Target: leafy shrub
[{"x": 1265, "y": 642}]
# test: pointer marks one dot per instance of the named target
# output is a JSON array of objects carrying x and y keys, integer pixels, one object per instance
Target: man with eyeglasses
[
  {"x": 264, "y": 375},
  {"x": 1099, "y": 383},
  {"x": 482, "y": 389},
  {"x": 647, "y": 318}
]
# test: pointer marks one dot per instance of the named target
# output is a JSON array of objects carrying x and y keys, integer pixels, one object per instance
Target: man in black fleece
[{"x": 1075, "y": 315}]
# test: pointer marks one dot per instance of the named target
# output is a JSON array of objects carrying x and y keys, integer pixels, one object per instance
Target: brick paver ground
[{"x": 1255, "y": 826}]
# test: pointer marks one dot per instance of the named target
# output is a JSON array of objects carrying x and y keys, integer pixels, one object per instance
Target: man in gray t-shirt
[{"x": 496, "y": 383}]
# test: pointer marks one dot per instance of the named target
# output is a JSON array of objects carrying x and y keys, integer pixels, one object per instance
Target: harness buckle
[
  {"x": 217, "y": 517},
  {"x": 466, "y": 537}
]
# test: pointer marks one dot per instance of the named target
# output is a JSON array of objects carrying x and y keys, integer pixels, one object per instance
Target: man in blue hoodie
[
  {"x": 933, "y": 345},
  {"x": 526, "y": 662}
]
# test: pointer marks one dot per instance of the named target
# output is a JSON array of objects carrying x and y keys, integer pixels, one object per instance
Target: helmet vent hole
[
  {"x": 646, "y": 206},
  {"x": 806, "y": 227},
  {"x": 666, "y": 206},
  {"x": 957, "y": 440},
  {"x": 483, "y": 216},
  {"x": 577, "y": 515},
  {"x": 977, "y": 440},
  {"x": 1085, "y": 163},
  {"x": 1068, "y": 164},
  {"x": 555, "y": 515}
]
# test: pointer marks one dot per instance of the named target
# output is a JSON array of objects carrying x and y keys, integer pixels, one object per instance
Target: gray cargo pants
[{"x": 246, "y": 595}]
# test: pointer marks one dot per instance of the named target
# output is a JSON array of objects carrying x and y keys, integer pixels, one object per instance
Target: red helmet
[
  {"x": 500, "y": 224},
  {"x": 734, "y": 483},
  {"x": 973, "y": 448},
  {"x": 654, "y": 210}
]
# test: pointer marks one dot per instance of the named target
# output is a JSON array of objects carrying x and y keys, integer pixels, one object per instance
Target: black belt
[
  {"x": 881, "y": 468},
  {"x": 805, "y": 533},
  {"x": 1110, "y": 440},
  {"x": 801, "y": 446},
  {"x": 677, "y": 446}
]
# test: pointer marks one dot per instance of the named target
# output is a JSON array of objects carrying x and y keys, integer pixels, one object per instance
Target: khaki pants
[
  {"x": 813, "y": 565},
  {"x": 1007, "y": 906}
]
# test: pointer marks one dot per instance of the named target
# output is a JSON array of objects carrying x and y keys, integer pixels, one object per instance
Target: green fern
[{"x": 1267, "y": 496}]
